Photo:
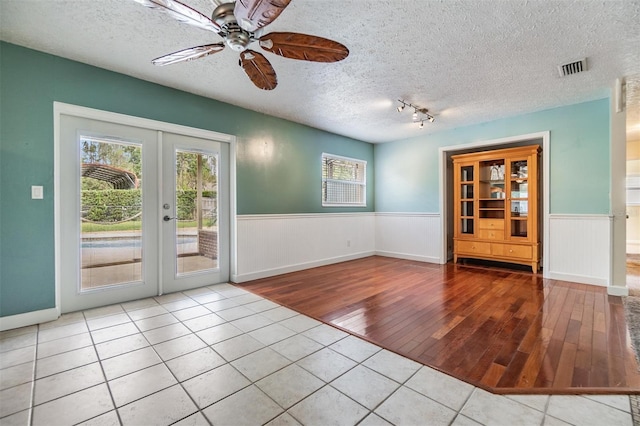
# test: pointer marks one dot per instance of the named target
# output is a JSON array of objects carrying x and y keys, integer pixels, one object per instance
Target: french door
[
  {"x": 194, "y": 224},
  {"x": 141, "y": 212}
]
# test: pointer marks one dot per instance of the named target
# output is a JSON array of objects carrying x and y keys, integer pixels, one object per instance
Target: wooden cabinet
[{"x": 496, "y": 206}]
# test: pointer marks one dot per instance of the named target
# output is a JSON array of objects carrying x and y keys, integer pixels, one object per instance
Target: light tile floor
[{"x": 220, "y": 355}]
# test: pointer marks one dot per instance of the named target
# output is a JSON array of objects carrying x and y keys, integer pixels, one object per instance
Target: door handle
[{"x": 167, "y": 218}]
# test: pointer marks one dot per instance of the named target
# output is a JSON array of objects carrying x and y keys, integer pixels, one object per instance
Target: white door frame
[
  {"x": 60, "y": 108},
  {"x": 545, "y": 136}
]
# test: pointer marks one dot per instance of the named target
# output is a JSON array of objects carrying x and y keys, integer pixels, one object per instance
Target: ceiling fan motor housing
[
  {"x": 234, "y": 36},
  {"x": 238, "y": 41}
]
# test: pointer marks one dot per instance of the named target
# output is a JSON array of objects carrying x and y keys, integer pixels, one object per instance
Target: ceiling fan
[{"x": 241, "y": 23}]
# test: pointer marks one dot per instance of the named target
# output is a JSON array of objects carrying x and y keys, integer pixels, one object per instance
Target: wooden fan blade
[
  {"x": 254, "y": 14},
  {"x": 258, "y": 69},
  {"x": 304, "y": 47},
  {"x": 182, "y": 13},
  {"x": 188, "y": 54}
]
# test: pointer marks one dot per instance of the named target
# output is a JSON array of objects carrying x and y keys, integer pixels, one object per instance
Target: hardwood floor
[{"x": 505, "y": 331}]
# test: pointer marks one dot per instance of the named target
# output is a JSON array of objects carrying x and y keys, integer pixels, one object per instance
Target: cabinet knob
[{"x": 510, "y": 250}]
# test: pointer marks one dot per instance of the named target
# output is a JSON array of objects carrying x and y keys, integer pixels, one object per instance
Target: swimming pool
[{"x": 95, "y": 243}]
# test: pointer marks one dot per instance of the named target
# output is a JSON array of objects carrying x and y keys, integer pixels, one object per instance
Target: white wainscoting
[
  {"x": 414, "y": 236},
  {"x": 269, "y": 245},
  {"x": 580, "y": 248}
]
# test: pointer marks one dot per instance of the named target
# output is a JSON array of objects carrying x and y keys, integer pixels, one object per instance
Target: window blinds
[{"x": 343, "y": 181}]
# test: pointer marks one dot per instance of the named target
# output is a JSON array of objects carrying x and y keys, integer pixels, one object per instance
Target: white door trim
[
  {"x": 545, "y": 136},
  {"x": 60, "y": 109}
]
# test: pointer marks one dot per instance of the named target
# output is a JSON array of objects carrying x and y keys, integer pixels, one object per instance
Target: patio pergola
[{"x": 118, "y": 178}]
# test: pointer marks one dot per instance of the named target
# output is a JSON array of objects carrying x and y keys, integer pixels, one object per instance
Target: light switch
[{"x": 37, "y": 193}]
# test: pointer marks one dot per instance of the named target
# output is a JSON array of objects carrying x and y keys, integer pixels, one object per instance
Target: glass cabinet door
[
  {"x": 466, "y": 199},
  {"x": 492, "y": 189},
  {"x": 519, "y": 198}
]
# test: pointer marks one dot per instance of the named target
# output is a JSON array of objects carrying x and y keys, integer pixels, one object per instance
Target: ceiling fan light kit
[
  {"x": 417, "y": 112},
  {"x": 241, "y": 23}
]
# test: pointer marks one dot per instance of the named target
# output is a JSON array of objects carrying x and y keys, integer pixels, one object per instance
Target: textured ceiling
[{"x": 466, "y": 61}]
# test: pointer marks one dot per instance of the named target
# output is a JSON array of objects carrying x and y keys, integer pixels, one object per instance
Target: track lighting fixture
[{"x": 416, "y": 113}]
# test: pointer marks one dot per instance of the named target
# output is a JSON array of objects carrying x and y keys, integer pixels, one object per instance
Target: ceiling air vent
[{"x": 573, "y": 67}]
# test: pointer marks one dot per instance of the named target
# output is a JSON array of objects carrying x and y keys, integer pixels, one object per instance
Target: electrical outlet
[{"x": 37, "y": 192}]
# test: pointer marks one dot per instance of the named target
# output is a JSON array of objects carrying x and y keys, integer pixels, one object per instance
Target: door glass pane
[
  {"x": 519, "y": 189},
  {"x": 466, "y": 226},
  {"x": 466, "y": 174},
  {"x": 492, "y": 179},
  {"x": 467, "y": 199},
  {"x": 492, "y": 190},
  {"x": 519, "y": 208},
  {"x": 110, "y": 212},
  {"x": 519, "y": 174},
  {"x": 466, "y": 208},
  {"x": 466, "y": 191},
  {"x": 197, "y": 211},
  {"x": 518, "y": 228},
  {"x": 519, "y": 169}
]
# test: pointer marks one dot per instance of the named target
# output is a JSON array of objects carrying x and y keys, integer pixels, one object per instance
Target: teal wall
[
  {"x": 278, "y": 162},
  {"x": 407, "y": 171}
]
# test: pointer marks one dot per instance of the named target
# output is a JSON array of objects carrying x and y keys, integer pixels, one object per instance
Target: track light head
[
  {"x": 431, "y": 118},
  {"x": 400, "y": 108},
  {"x": 421, "y": 124},
  {"x": 415, "y": 114}
]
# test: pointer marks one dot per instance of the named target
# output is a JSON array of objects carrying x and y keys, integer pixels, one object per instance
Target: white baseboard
[
  {"x": 407, "y": 256},
  {"x": 28, "y": 318},
  {"x": 240, "y": 278},
  {"x": 616, "y": 290},
  {"x": 633, "y": 246},
  {"x": 583, "y": 279}
]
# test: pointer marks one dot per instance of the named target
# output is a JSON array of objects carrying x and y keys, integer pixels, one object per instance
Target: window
[{"x": 344, "y": 181}]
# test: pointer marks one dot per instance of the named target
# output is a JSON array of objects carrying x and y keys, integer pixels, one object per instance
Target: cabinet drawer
[
  {"x": 511, "y": 250},
  {"x": 474, "y": 247},
  {"x": 491, "y": 223},
  {"x": 491, "y": 234}
]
